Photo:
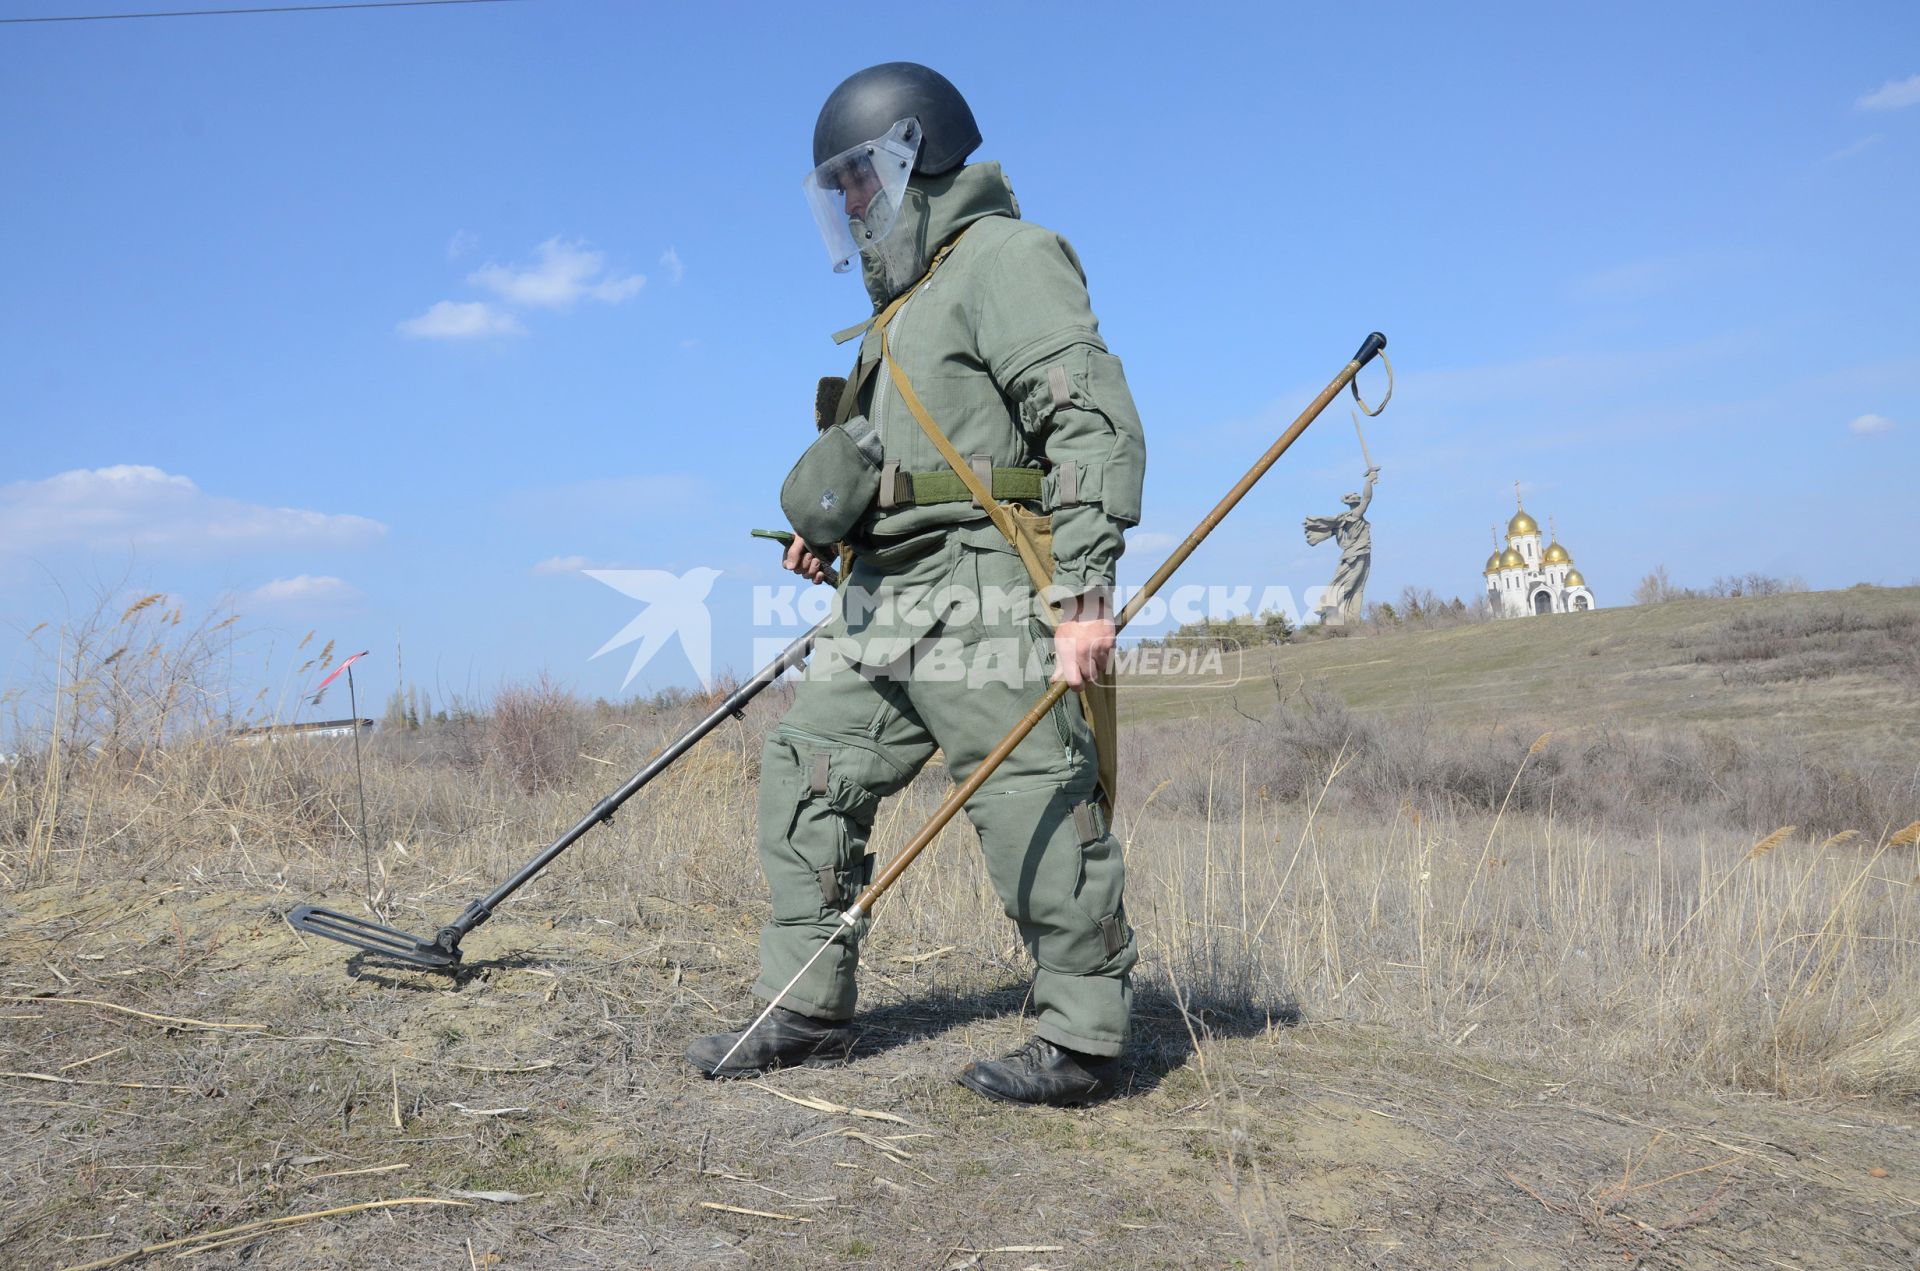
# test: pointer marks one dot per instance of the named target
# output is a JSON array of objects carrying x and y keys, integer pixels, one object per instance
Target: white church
[{"x": 1525, "y": 579}]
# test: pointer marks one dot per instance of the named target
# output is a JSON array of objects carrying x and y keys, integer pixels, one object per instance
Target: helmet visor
[{"x": 855, "y": 196}]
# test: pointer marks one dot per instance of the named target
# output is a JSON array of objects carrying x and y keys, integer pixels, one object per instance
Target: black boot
[
  {"x": 1041, "y": 1072},
  {"x": 784, "y": 1039}
]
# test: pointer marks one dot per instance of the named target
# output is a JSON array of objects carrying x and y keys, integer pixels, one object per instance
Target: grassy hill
[
  {"x": 1409, "y": 996},
  {"x": 1837, "y": 672}
]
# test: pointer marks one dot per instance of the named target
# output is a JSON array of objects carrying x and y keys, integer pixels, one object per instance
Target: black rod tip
[{"x": 1370, "y": 348}]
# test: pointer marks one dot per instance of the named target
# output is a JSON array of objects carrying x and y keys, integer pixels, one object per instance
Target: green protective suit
[{"x": 937, "y": 645}]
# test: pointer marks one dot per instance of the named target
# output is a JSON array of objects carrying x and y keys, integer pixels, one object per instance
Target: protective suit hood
[{"x": 933, "y": 211}]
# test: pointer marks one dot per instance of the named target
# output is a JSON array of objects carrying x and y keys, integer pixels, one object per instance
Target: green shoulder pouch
[{"x": 834, "y": 483}]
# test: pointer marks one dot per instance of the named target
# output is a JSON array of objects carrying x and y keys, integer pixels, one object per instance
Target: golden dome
[
  {"x": 1511, "y": 559},
  {"x": 1574, "y": 579},
  {"x": 1556, "y": 555},
  {"x": 1493, "y": 563},
  {"x": 1522, "y": 524}
]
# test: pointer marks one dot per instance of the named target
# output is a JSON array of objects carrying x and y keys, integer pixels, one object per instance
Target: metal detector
[{"x": 442, "y": 952}]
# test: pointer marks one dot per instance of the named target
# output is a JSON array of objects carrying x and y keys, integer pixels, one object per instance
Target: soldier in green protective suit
[{"x": 981, "y": 378}]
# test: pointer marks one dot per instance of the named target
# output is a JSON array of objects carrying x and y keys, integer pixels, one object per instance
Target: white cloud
[
  {"x": 1870, "y": 424},
  {"x": 139, "y": 506},
  {"x": 561, "y": 565},
  {"x": 671, "y": 262},
  {"x": 1892, "y": 95},
  {"x": 563, "y": 273},
  {"x": 304, "y": 589},
  {"x": 461, "y": 243},
  {"x": 1853, "y": 148},
  {"x": 455, "y": 320}
]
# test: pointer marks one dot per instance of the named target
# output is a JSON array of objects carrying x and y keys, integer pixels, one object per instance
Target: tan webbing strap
[
  {"x": 857, "y": 382},
  {"x": 982, "y": 496},
  {"x": 1003, "y": 521},
  {"x": 889, "y": 484}
]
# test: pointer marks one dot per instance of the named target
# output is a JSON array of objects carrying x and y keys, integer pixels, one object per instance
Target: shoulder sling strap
[{"x": 1002, "y": 518}]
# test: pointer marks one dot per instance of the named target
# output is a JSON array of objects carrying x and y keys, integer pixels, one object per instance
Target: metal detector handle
[{"x": 785, "y": 539}]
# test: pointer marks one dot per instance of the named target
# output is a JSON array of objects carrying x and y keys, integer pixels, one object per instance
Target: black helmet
[{"x": 870, "y": 102}]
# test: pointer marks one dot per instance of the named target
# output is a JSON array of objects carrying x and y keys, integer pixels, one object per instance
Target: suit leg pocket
[
  {"x": 829, "y": 818},
  {"x": 1102, "y": 882}
]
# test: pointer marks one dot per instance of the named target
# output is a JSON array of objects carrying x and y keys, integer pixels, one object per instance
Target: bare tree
[{"x": 1656, "y": 588}]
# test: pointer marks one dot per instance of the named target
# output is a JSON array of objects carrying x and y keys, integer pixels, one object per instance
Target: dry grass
[
  {"x": 1826, "y": 678},
  {"x": 1384, "y": 1018},
  {"x": 1673, "y": 782},
  {"x": 1784, "y": 646}
]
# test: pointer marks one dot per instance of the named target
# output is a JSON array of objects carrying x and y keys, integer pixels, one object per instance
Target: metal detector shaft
[
  {"x": 794, "y": 655},
  {"x": 958, "y": 796}
]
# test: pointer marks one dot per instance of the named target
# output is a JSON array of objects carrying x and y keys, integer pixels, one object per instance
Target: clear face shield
[{"x": 855, "y": 196}]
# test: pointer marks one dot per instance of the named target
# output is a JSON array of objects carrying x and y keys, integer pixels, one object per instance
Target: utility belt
[{"x": 920, "y": 489}]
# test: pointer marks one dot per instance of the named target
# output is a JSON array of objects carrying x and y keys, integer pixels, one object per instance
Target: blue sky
[{"x": 383, "y": 322}]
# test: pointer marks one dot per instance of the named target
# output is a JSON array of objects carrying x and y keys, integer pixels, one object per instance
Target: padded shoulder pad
[{"x": 1033, "y": 301}]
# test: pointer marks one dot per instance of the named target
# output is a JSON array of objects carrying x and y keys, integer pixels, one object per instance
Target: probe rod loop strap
[{"x": 1353, "y": 385}]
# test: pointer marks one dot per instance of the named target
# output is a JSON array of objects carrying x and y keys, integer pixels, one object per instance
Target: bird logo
[{"x": 676, "y": 605}]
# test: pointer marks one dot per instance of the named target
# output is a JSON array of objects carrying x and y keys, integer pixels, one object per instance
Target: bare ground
[{"x": 289, "y": 1080}]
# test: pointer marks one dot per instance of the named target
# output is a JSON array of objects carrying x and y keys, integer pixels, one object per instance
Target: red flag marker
[{"x": 336, "y": 675}]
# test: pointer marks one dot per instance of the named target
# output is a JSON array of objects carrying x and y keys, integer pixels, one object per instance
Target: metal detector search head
[{"x": 388, "y": 942}]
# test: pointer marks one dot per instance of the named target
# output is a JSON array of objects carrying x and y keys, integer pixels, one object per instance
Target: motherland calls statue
[{"x": 1346, "y": 595}]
